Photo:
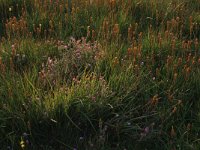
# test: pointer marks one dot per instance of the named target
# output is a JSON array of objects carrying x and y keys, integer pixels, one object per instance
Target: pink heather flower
[
  {"x": 65, "y": 46},
  {"x": 93, "y": 98},
  {"x": 146, "y": 130}
]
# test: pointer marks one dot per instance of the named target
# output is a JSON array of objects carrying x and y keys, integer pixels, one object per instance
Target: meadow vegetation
[{"x": 100, "y": 74}]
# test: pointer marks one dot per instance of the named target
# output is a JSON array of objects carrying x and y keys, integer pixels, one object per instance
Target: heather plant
[
  {"x": 78, "y": 56},
  {"x": 49, "y": 72}
]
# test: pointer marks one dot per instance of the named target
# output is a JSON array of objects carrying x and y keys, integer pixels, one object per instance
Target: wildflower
[
  {"x": 166, "y": 34},
  {"x": 130, "y": 32},
  {"x": 175, "y": 76},
  {"x": 93, "y": 98},
  {"x": 112, "y": 3},
  {"x": 174, "y": 110},
  {"x": 146, "y": 130},
  {"x": 129, "y": 51},
  {"x": 188, "y": 70},
  {"x": 27, "y": 142},
  {"x": 154, "y": 100},
  {"x": 173, "y": 44},
  {"x": 193, "y": 61},
  {"x": 25, "y": 135},
  {"x": 179, "y": 61},
  {"x": 65, "y": 46},
  {"x": 13, "y": 50},
  {"x": 93, "y": 34},
  {"x": 115, "y": 61},
  {"x": 115, "y": 30},
  {"x": 196, "y": 43},
  {"x": 128, "y": 123},
  {"x": 191, "y": 19},
  {"x": 135, "y": 51},
  {"x": 189, "y": 57},
  {"x": 22, "y": 143}
]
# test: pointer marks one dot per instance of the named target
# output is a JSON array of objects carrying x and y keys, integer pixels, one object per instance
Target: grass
[{"x": 100, "y": 74}]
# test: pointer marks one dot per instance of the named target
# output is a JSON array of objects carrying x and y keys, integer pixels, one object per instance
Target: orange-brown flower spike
[
  {"x": 135, "y": 51},
  {"x": 116, "y": 30},
  {"x": 130, "y": 33},
  {"x": 115, "y": 61},
  {"x": 180, "y": 61},
  {"x": 191, "y": 20},
  {"x": 174, "y": 110},
  {"x": 194, "y": 60},
  {"x": 129, "y": 51},
  {"x": 112, "y": 4},
  {"x": 159, "y": 40},
  {"x": 175, "y": 76},
  {"x": 93, "y": 35},
  {"x": 166, "y": 34},
  {"x": 196, "y": 43},
  {"x": 188, "y": 71},
  {"x": 154, "y": 100}
]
